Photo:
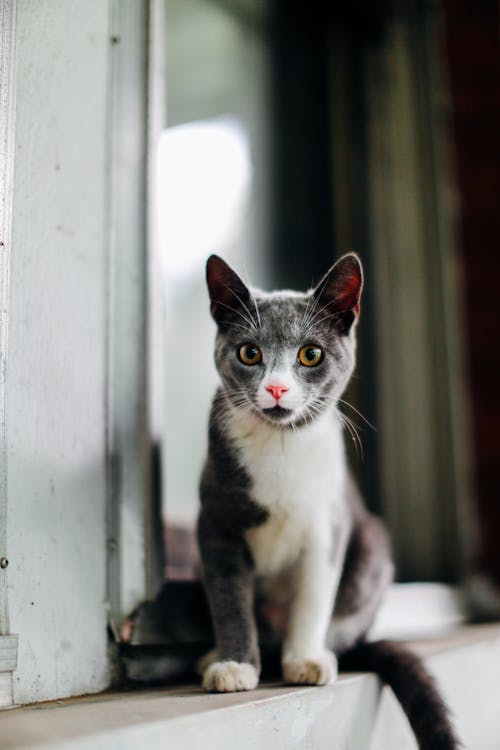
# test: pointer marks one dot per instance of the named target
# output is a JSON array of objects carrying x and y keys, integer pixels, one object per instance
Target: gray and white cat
[{"x": 280, "y": 514}]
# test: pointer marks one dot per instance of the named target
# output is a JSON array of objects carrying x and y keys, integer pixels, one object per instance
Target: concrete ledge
[
  {"x": 354, "y": 714},
  {"x": 267, "y": 717}
]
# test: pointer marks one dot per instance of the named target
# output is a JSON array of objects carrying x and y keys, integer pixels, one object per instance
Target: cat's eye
[
  {"x": 249, "y": 354},
  {"x": 310, "y": 356}
]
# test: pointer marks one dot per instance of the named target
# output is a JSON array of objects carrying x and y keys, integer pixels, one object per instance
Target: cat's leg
[
  {"x": 228, "y": 577},
  {"x": 306, "y": 660},
  {"x": 206, "y": 660},
  {"x": 367, "y": 573}
]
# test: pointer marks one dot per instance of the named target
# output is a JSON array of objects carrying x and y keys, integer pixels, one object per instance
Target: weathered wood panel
[{"x": 56, "y": 365}]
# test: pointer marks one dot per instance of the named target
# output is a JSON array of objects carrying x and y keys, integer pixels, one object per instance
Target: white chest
[{"x": 298, "y": 477}]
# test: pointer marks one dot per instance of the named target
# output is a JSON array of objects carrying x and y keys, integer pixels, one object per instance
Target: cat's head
[{"x": 285, "y": 356}]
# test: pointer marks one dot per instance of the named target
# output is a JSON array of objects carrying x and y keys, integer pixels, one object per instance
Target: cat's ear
[
  {"x": 229, "y": 297},
  {"x": 338, "y": 293}
]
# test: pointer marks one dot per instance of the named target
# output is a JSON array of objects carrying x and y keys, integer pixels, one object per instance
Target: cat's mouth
[{"x": 277, "y": 413}]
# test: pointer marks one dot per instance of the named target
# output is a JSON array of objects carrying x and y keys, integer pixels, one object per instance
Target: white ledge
[{"x": 354, "y": 713}]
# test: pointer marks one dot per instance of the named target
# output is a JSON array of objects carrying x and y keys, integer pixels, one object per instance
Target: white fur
[
  {"x": 319, "y": 671},
  {"x": 230, "y": 676},
  {"x": 294, "y": 396},
  {"x": 299, "y": 476}
]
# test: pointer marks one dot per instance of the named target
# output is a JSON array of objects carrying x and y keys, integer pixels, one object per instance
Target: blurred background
[{"x": 294, "y": 132}]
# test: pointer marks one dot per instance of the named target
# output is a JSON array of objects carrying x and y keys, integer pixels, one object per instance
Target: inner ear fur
[{"x": 339, "y": 291}]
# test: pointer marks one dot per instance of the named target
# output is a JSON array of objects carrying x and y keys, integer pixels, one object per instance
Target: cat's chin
[
  {"x": 278, "y": 415},
  {"x": 287, "y": 419}
]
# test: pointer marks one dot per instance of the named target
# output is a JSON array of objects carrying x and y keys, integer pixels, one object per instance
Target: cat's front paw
[
  {"x": 320, "y": 670},
  {"x": 229, "y": 677}
]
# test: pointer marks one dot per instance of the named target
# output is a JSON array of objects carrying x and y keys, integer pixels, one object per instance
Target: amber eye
[
  {"x": 249, "y": 354},
  {"x": 310, "y": 356}
]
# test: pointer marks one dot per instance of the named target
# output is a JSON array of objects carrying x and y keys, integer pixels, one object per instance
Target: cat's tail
[{"x": 413, "y": 686}]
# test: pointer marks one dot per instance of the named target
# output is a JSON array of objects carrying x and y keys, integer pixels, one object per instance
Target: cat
[{"x": 280, "y": 514}]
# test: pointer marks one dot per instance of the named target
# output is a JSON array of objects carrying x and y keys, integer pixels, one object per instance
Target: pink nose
[{"x": 277, "y": 390}]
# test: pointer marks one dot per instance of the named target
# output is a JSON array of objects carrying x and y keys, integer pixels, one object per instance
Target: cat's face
[{"x": 286, "y": 356}]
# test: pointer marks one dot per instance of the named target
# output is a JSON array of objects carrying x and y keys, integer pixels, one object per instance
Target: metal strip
[{"x": 128, "y": 439}]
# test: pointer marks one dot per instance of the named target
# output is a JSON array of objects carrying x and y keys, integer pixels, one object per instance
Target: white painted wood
[
  {"x": 73, "y": 388},
  {"x": 56, "y": 368},
  {"x": 8, "y": 653},
  {"x": 7, "y": 111},
  {"x": 8, "y": 11},
  {"x": 8, "y": 663},
  {"x": 6, "y": 690}
]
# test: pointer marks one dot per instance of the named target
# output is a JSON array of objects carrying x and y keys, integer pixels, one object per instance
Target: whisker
[
  {"x": 245, "y": 307},
  {"x": 309, "y": 311},
  {"x": 313, "y": 325},
  {"x": 316, "y": 299},
  {"x": 252, "y": 294},
  {"x": 321, "y": 309},
  {"x": 238, "y": 325},
  {"x": 352, "y": 427},
  {"x": 343, "y": 401},
  {"x": 248, "y": 321},
  {"x": 259, "y": 321}
]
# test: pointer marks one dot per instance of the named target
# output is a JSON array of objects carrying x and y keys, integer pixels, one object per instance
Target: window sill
[{"x": 353, "y": 713}]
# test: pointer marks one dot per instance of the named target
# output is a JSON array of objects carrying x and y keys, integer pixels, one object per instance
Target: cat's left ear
[
  {"x": 229, "y": 297},
  {"x": 338, "y": 293}
]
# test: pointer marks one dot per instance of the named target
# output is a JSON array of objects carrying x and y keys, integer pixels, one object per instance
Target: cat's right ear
[{"x": 229, "y": 297}]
